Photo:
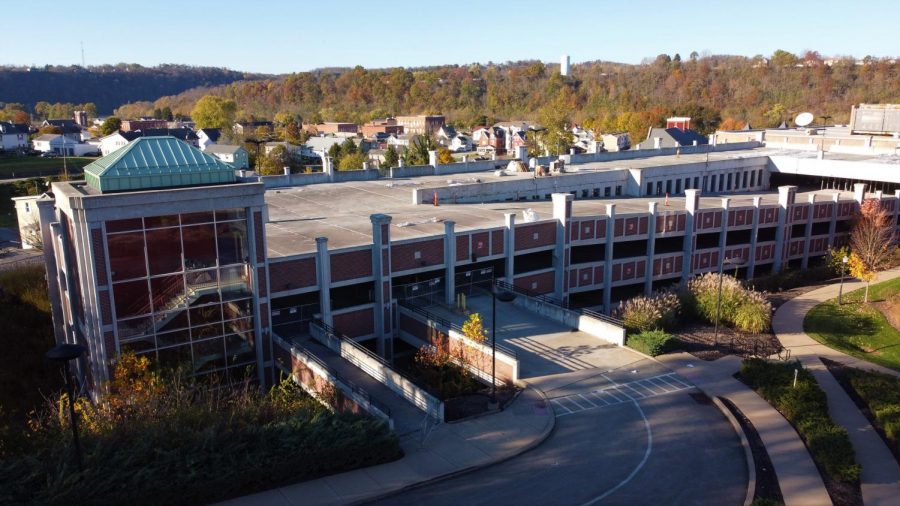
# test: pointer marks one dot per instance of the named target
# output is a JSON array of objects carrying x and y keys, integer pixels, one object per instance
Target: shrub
[
  {"x": 806, "y": 408},
  {"x": 652, "y": 342},
  {"x": 753, "y": 314},
  {"x": 661, "y": 310},
  {"x": 741, "y": 308},
  {"x": 881, "y": 393}
]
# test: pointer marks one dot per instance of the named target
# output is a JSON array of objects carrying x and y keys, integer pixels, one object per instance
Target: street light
[
  {"x": 65, "y": 353},
  {"x": 843, "y": 268},
  {"x": 737, "y": 263},
  {"x": 504, "y": 296}
]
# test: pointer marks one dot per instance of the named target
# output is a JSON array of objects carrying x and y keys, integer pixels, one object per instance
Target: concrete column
[
  {"x": 47, "y": 214},
  {"x": 786, "y": 196},
  {"x": 751, "y": 265},
  {"x": 522, "y": 153},
  {"x": 323, "y": 273},
  {"x": 651, "y": 248},
  {"x": 510, "y": 247},
  {"x": 723, "y": 233},
  {"x": 381, "y": 271},
  {"x": 328, "y": 167},
  {"x": 562, "y": 213},
  {"x": 692, "y": 205},
  {"x": 432, "y": 158},
  {"x": 608, "y": 261},
  {"x": 832, "y": 226},
  {"x": 804, "y": 262},
  {"x": 859, "y": 192},
  {"x": 449, "y": 263}
]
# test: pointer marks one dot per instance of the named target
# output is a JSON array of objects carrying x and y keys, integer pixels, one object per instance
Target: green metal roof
[{"x": 156, "y": 162}]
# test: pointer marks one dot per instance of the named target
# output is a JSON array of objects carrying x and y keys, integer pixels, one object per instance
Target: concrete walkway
[
  {"x": 800, "y": 481},
  {"x": 880, "y": 473},
  {"x": 448, "y": 450}
]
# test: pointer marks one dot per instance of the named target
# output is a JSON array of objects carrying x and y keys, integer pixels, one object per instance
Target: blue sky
[{"x": 280, "y": 36}]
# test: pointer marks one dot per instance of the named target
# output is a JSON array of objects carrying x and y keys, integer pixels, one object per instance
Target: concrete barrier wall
[
  {"x": 311, "y": 375},
  {"x": 341, "y": 176},
  {"x": 600, "y": 329},
  {"x": 382, "y": 373}
]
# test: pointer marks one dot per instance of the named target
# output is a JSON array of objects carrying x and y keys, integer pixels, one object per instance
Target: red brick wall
[
  {"x": 667, "y": 265},
  {"x": 99, "y": 257},
  {"x": 293, "y": 274},
  {"x": 544, "y": 282},
  {"x": 105, "y": 307},
  {"x": 497, "y": 242},
  {"x": 260, "y": 234},
  {"x": 263, "y": 287},
  {"x": 525, "y": 235},
  {"x": 356, "y": 323},
  {"x": 481, "y": 244},
  {"x": 462, "y": 248},
  {"x": 708, "y": 219},
  {"x": 740, "y": 217},
  {"x": 822, "y": 211},
  {"x": 629, "y": 270},
  {"x": 351, "y": 265},
  {"x": 430, "y": 253},
  {"x": 768, "y": 215}
]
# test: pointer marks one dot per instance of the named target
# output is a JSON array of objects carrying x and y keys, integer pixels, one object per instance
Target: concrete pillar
[
  {"x": 432, "y": 158},
  {"x": 832, "y": 225},
  {"x": 723, "y": 233},
  {"x": 651, "y": 248},
  {"x": 328, "y": 167},
  {"x": 608, "y": 261},
  {"x": 287, "y": 171},
  {"x": 751, "y": 264},
  {"x": 691, "y": 205},
  {"x": 323, "y": 273},
  {"x": 381, "y": 271},
  {"x": 47, "y": 216},
  {"x": 807, "y": 232},
  {"x": 510, "y": 247},
  {"x": 786, "y": 196},
  {"x": 859, "y": 192},
  {"x": 657, "y": 143},
  {"x": 562, "y": 213},
  {"x": 522, "y": 153},
  {"x": 449, "y": 263}
]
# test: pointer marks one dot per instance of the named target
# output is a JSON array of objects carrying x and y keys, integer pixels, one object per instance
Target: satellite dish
[{"x": 804, "y": 118}]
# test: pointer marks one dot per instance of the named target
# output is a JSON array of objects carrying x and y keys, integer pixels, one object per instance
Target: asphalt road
[{"x": 600, "y": 456}]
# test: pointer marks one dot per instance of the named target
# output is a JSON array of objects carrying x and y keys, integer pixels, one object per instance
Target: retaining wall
[{"x": 596, "y": 327}]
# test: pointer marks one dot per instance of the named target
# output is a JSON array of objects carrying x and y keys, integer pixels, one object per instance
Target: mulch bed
[
  {"x": 699, "y": 340},
  {"x": 466, "y": 406},
  {"x": 767, "y": 486}
]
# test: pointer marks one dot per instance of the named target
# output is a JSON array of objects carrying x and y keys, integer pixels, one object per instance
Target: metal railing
[
  {"x": 450, "y": 325},
  {"x": 503, "y": 285}
]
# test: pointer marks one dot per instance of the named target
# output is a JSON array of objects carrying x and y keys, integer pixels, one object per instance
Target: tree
[
  {"x": 214, "y": 112},
  {"x": 694, "y": 56},
  {"x": 473, "y": 328},
  {"x": 391, "y": 158},
  {"x": 50, "y": 129},
  {"x": 42, "y": 110},
  {"x": 273, "y": 163},
  {"x": 781, "y": 58},
  {"x": 418, "y": 151},
  {"x": 834, "y": 259},
  {"x": 731, "y": 124},
  {"x": 872, "y": 242},
  {"x": 348, "y": 147},
  {"x": 110, "y": 125},
  {"x": 444, "y": 156},
  {"x": 352, "y": 161},
  {"x": 32, "y": 234}
]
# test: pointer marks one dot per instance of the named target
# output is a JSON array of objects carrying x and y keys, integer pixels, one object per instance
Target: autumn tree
[
  {"x": 391, "y": 158},
  {"x": 872, "y": 242},
  {"x": 473, "y": 328},
  {"x": 274, "y": 162},
  {"x": 352, "y": 161},
  {"x": 417, "y": 152},
  {"x": 444, "y": 156},
  {"x": 731, "y": 124},
  {"x": 214, "y": 112},
  {"x": 110, "y": 125}
]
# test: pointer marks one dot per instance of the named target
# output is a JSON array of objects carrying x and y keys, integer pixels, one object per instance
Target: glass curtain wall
[{"x": 182, "y": 289}]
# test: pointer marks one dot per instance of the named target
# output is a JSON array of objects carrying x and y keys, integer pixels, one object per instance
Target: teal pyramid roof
[{"x": 156, "y": 162}]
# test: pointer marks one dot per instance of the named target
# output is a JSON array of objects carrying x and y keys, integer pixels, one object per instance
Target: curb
[
  {"x": 748, "y": 453},
  {"x": 548, "y": 429}
]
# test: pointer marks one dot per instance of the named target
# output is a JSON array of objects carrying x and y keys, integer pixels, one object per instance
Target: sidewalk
[
  {"x": 880, "y": 475},
  {"x": 800, "y": 481},
  {"x": 448, "y": 450}
]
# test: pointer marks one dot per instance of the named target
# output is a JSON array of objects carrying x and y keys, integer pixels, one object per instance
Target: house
[
  {"x": 671, "y": 138},
  {"x": 616, "y": 141},
  {"x": 422, "y": 124},
  {"x": 207, "y": 136},
  {"x": 510, "y": 128},
  {"x": 250, "y": 127},
  {"x": 116, "y": 140},
  {"x": 400, "y": 140},
  {"x": 184, "y": 134},
  {"x": 13, "y": 136},
  {"x": 331, "y": 127},
  {"x": 68, "y": 126},
  {"x": 292, "y": 149},
  {"x": 321, "y": 143},
  {"x": 461, "y": 143},
  {"x": 380, "y": 128},
  {"x": 62, "y": 145},
  {"x": 445, "y": 134},
  {"x": 494, "y": 137},
  {"x": 236, "y": 156},
  {"x": 131, "y": 125}
]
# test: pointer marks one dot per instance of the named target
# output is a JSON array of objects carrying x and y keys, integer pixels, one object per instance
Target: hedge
[
  {"x": 881, "y": 394},
  {"x": 806, "y": 408},
  {"x": 651, "y": 342}
]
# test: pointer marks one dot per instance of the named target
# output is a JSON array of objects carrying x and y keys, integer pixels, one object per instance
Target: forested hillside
[
  {"x": 107, "y": 86},
  {"x": 718, "y": 91}
]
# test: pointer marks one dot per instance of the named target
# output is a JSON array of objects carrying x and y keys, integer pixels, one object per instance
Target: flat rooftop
[{"x": 340, "y": 211}]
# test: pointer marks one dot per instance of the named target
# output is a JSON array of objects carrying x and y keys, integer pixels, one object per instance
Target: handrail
[
  {"x": 446, "y": 323},
  {"x": 503, "y": 285}
]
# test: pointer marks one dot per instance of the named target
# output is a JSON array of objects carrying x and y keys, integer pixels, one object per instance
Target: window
[
  {"x": 659, "y": 187},
  {"x": 722, "y": 181},
  {"x": 744, "y": 185},
  {"x": 677, "y": 186},
  {"x": 649, "y": 188},
  {"x": 697, "y": 182},
  {"x": 607, "y": 191},
  {"x": 728, "y": 186},
  {"x": 668, "y": 186},
  {"x": 712, "y": 183},
  {"x": 618, "y": 190},
  {"x": 752, "y": 178}
]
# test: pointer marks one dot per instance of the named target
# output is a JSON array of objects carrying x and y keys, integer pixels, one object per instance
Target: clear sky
[{"x": 281, "y": 36}]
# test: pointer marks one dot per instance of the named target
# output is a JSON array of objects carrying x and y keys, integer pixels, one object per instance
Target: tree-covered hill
[{"x": 107, "y": 86}]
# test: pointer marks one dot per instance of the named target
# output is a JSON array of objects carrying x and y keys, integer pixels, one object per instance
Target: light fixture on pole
[
  {"x": 737, "y": 263},
  {"x": 65, "y": 353},
  {"x": 843, "y": 268},
  {"x": 504, "y": 296}
]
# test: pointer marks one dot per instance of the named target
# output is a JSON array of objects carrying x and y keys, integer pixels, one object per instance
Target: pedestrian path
[
  {"x": 619, "y": 393},
  {"x": 798, "y": 477},
  {"x": 880, "y": 477}
]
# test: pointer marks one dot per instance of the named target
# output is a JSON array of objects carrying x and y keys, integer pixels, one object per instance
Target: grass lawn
[
  {"x": 857, "y": 329},
  {"x": 32, "y": 166}
]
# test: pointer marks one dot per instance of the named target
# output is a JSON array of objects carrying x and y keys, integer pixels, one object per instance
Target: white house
[
  {"x": 207, "y": 137},
  {"x": 13, "y": 136},
  {"x": 445, "y": 135},
  {"x": 60, "y": 144},
  {"x": 115, "y": 141},
  {"x": 236, "y": 156},
  {"x": 461, "y": 143}
]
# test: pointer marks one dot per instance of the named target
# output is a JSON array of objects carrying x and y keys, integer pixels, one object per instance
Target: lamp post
[
  {"x": 737, "y": 263},
  {"x": 504, "y": 296},
  {"x": 843, "y": 268},
  {"x": 65, "y": 353}
]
